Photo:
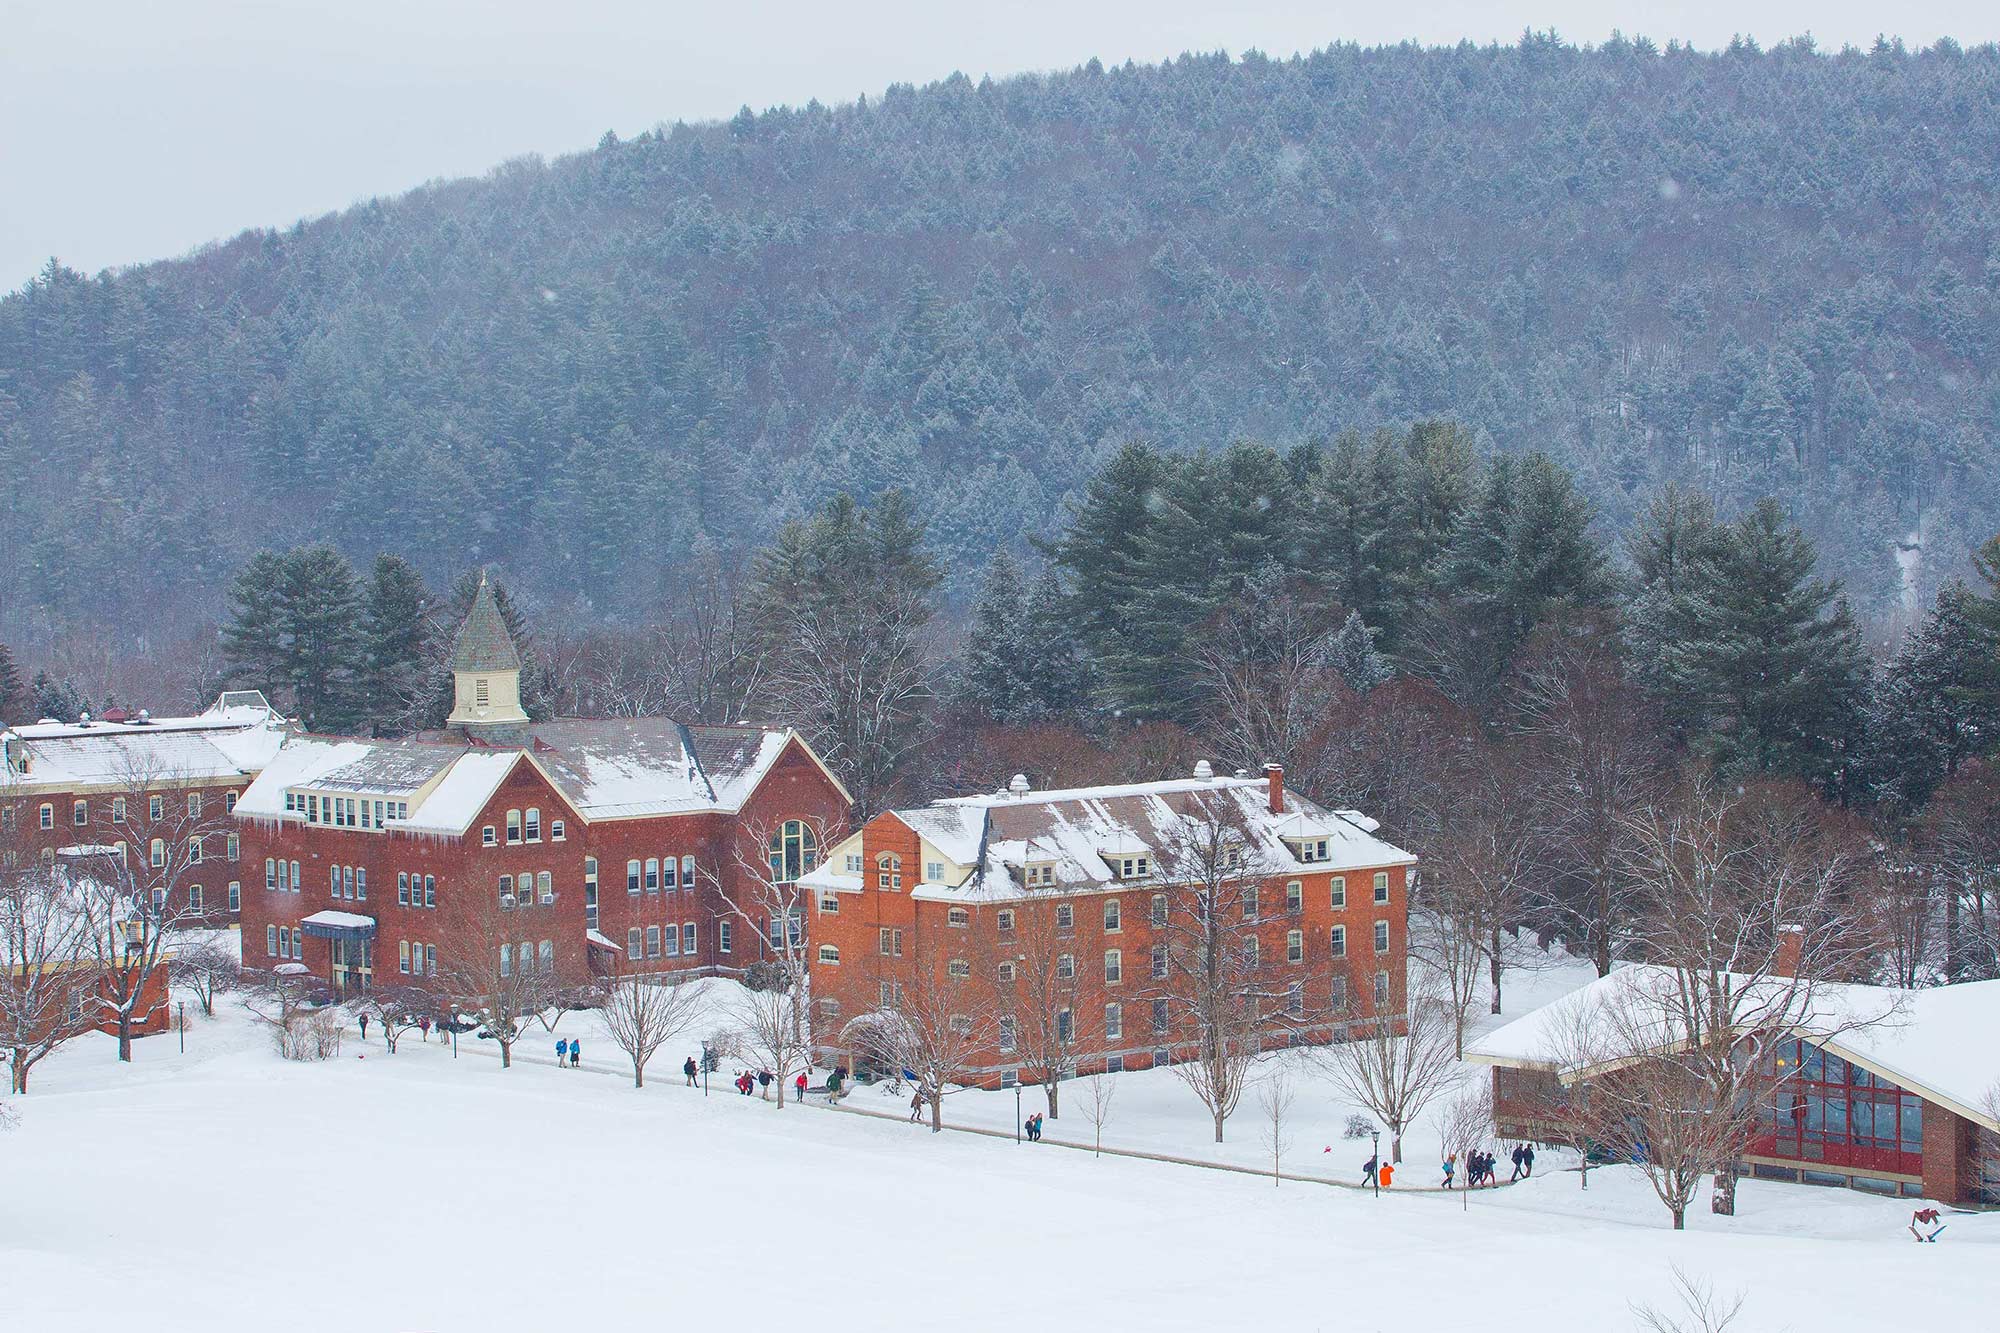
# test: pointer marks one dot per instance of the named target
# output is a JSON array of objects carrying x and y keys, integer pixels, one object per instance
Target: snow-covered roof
[
  {"x": 1079, "y": 830},
  {"x": 339, "y": 920},
  {"x": 233, "y": 738},
  {"x": 602, "y": 941},
  {"x": 1935, "y": 1041},
  {"x": 609, "y": 769}
]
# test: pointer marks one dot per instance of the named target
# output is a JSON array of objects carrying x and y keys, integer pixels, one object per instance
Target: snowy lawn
[{"x": 225, "y": 1189}]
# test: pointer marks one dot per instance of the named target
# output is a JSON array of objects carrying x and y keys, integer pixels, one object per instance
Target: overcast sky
[{"x": 138, "y": 129}]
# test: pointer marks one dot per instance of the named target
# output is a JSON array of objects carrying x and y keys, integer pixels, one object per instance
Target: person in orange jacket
[{"x": 1387, "y": 1172}]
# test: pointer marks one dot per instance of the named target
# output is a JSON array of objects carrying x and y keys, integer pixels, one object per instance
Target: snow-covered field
[{"x": 225, "y": 1189}]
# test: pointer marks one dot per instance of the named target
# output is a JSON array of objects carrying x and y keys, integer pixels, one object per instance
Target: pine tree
[
  {"x": 253, "y": 642},
  {"x": 1100, "y": 547},
  {"x": 1058, "y": 668},
  {"x": 1927, "y": 716},
  {"x": 59, "y": 698},
  {"x": 1352, "y": 548},
  {"x": 1766, "y": 667},
  {"x": 396, "y": 669},
  {"x": 15, "y": 701},
  {"x": 324, "y": 638},
  {"x": 998, "y": 672},
  {"x": 1352, "y": 653}
]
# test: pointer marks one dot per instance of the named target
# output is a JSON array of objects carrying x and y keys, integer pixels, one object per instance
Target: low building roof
[{"x": 233, "y": 738}]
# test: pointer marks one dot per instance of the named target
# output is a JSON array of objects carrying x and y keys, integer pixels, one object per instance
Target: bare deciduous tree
[
  {"x": 499, "y": 983},
  {"x": 205, "y": 966},
  {"x": 1701, "y": 1310},
  {"x": 47, "y": 972},
  {"x": 642, "y": 1014},
  {"x": 1052, "y": 989},
  {"x": 937, "y": 1022},
  {"x": 1098, "y": 1092},
  {"x": 398, "y": 1010},
  {"x": 774, "y": 1029},
  {"x": 1274, "y": 1097},
  {"x": 1397, "y": 1074},
  {"x": 1466, "y": 1125}
]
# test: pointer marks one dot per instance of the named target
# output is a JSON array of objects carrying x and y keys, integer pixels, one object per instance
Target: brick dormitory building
[
  {"x": 597, "y": 846},
  {"x": 1095, "y": 888}
]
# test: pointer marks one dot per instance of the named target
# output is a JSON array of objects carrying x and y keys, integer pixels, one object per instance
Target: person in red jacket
[{"x": 1386, "y": 1172}]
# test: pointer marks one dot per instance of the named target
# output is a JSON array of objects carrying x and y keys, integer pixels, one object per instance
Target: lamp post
[
  {"x": 184, "y": 1026},
  {"x": 1375, "y": 1156},
  {"x": 704, "y": 1067},
  {"x": 454, "y": 1032},
  {"x": 1017, "y": 1114}
]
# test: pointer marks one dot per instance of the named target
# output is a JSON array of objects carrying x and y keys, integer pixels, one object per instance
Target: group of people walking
[
  {"x": 569, "y": 1050},
  {"x": 1481, "y": 1168},
  {"x": 1034, "y": 1127}
]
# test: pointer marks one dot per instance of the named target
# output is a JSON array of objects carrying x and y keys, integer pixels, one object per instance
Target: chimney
[
  {"x": 1203, "y": 769},
  {"x": 1018, "y": 784},
  {"x": 1274, "y": 778},
  {"x": 1791, "y": 947}
]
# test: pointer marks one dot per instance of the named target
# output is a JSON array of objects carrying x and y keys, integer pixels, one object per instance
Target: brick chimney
[
  {"x": 1791, "y": 948},
  {"x": 1274, "y": 779}
]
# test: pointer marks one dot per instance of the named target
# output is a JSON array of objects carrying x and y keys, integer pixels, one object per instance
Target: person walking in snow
[
  {"x": 575, "y": 1052},
  {"x": 364, "y": 1027},
  {"x": 562, "y": 1051},
  {"x": 1517, "y": 1165},
  {"x": 1387, "y": 1173},
  {"x": 689, "y": 1070},
  {"x": 1368, "y": 1169},
  {"x": 424, "y": 1027},
  {"x": 799, "y": 1085},
  {"x": 1450, "y": 1166},
  {"x": 916, "y": 1106},
  {"x": 1527, "y": 1161},
  {"x": 764, "y": 1084}
]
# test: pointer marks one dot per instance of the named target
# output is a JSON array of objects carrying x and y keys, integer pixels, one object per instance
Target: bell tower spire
[{"x": 485, "y": 668}]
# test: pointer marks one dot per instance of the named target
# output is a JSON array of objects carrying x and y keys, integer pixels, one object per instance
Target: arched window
[
  {"x": 794, "y": 851},
  {"x": 889, "y": 871},
  {"x": 513, "y": 826},
  {"x": 159, "y": 852},
  {"x": 829, "y": 953}
]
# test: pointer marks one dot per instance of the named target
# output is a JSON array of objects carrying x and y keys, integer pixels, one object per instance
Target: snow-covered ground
[{"x": 226, "y": 1189}]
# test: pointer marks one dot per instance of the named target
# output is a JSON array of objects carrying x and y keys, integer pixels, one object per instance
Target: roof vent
[
  {"x": 145, "y": 716},
  {"x": 83, "y": 719},
  {"x": 1018, "y": 784},
  {"x": 1203, "y": 769}
]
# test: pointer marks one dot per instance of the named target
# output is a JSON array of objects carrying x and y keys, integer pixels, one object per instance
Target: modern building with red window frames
[
  {"x": 1900, "y": 1104},
  {"x": 595, "y": 846}
]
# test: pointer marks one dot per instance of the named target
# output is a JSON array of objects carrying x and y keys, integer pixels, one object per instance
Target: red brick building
[
  {"x": 594, "y": 845},
  {"x": 997, "y": 894},
  {"x": 68, "y": 790}
]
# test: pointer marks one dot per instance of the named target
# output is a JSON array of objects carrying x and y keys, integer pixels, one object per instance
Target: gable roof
[{"x": 484, "y": 643}]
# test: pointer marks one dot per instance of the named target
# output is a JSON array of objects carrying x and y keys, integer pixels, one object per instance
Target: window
[
  {"x": 159, "y": 852},
  {"x": 1114, "y": 1064},
  {"x": 1381, "y": 988},
  {"x": 545, "y": 886},
  {"x": 1133, "y": 867},
  {"x": 890, "y": 942},
  {"x": 298, "y": 881},
  {"x": 402, "y": 888},
  {"x": 271, "y": 941},
  {"x": 118, "y": 809},
  {"x": 794, "y": 851},
  {"x": 349, "y": 876},
  {"x": 652, "y": 941},
  {"x": 48, "y": 815},
  {"x": 1114, "y": 1022},
  {"x": 1066, "y": 966},
  {"x": 652, "y": 874},
  {"x": 506, "y": 893},
  {"x": 1007, "y": 970},
  {"x": 482, "y": 691},
  {"x": 1339, "y": 995},
  {"x": 513, "y": 827},
  {"x": 1159, "y": 962},
  {"x": 534, "y": 824},
  {"x": 635, "y": 943},
  {"x": 1065, "y": 1025},
  {"x": 232, "y": 847},
  {"x": 631, "y": 877},
  {"x": 667, "y": 874},
  {"x": 1339, "y": 885},
  {"x": 270, "y": 875},
  {"x": 430, "y": 960},
  {"x": 506, "y": 960},
  {"x": 486, "y": 836},
  {"x": 687, "y": 873},
  {"x": 194, "y": 850},
  {"x": 723, "y": 932},
  {"x": 1159, "y": 909},
  {"x": 194, "y": 805},
  {"x": 957, "y": 916},
  {"x": 284, "y": 941},
  {"x": 1381, "y": 937},
  {"x": 312, "y": 808},
  {"x": 403, "y": 956},
  {"x": 1112, "y": 916},
  {"x": 194, "y": 897},
  {"x": 829, "y": 954},
  {"x": 229, "y": 802},
  {"x": 555, "y": 830},
  {"x": 235, "y": 895},
  {"x": 430, "y": 891},
  {"x": 1381, "y": 886},
  {"x": 1295, "y": 946},
  {"x": 1294, "y": 896},
  {"x": 298, "y": 944},
  {"x": 687, "y": 937},
  {"x": 1250, "y": 903},
  {"x": 1065, "y": 916},
  {"x": 888, "y": 872},
  {"x": 547, "y": 955},
  {"x": 1159, "y": 1018},
  {"x": 1114, "y": 966},
  {"x": 934, "y": 871},
  {"x": 1004, "y": 919},
  {"x": 829, "y": 904},
  {"x": 1007, "y": 1033},
  {"x": 79, "y": 813},
  {"x": 1253, "y": 952},
  {"x": 361, "y": 883},
  {"x": 1295, "y": 999},
  {"x": 854, "y": 863},
  {"x": 890, "y": 992},
  {"x": 958, "y": 969}
]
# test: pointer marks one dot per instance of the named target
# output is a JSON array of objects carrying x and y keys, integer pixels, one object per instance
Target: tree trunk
[
  {"x": 1493, "y": 966},
  {"x": 1680, "y": 1219},
  {"x": 1049, "y": 1086},
  {"x": 506, "y": 1055},
  {"x": 937, "y": 1112},
  {"x": 638, "y": 1075},
  {"x": 17, "y": 1074},
  {"x": 1218, "y": 1126},
  {"x": 1395, "y": 1145},
  {"x": 125, "y": 1036},
  {"x": 1723, "y": 1200}
]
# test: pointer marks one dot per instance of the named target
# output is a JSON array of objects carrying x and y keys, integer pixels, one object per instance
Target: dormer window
[
  {"x": 1308, "y": 850},
  {"x": 1134, "y": 867},
  {"x": 1039, "y": 874}
]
